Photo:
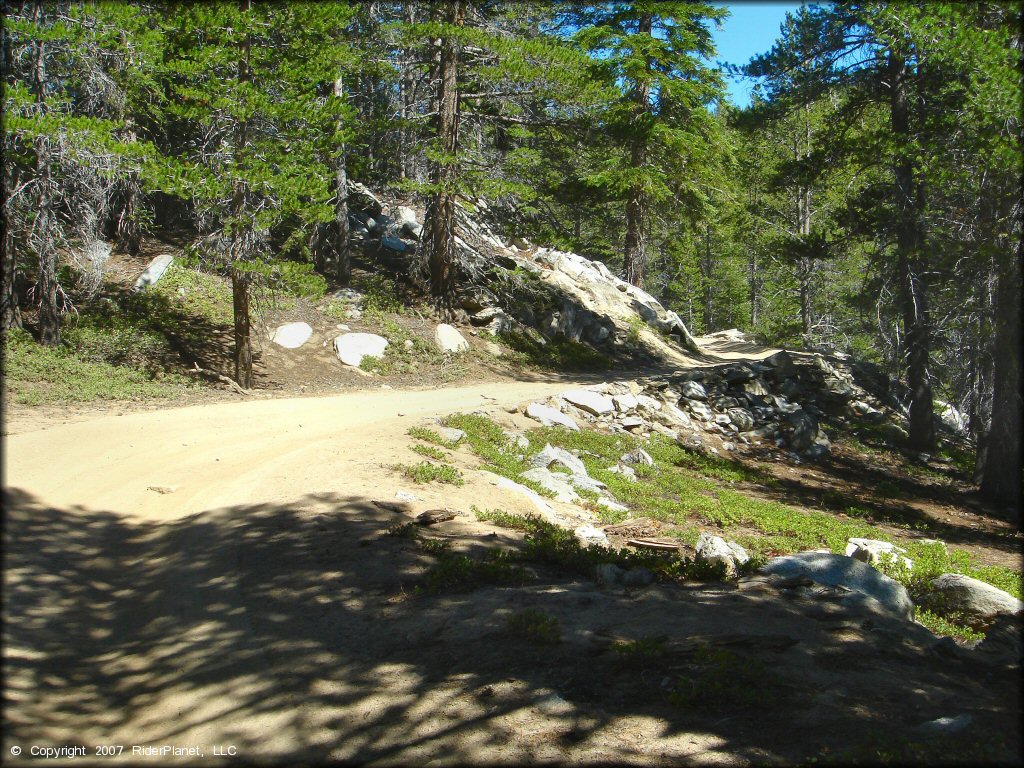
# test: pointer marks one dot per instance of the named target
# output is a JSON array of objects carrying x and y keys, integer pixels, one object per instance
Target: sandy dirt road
[{"x": 216, "y": 580}]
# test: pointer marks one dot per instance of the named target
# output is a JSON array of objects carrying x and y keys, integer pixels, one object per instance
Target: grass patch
[
  {"x": 430, "y": 452},
  {"x": 555, "y": 354},
  {"x": 536, "y": 626},
  {"x": 453, "y": 571},
  {"x": 37, "y": 374},
  {"x": 487, "y": 441},
  {"x": 426, "y": 472},
  {"x": 428, "y": 435},
  {"x": 197, "y": 293}
]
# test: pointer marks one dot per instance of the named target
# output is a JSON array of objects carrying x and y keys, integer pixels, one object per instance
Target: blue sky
[{"x": 751, "y": 28}]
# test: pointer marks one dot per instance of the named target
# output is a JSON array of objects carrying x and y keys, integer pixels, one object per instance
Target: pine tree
[
  {"x": 259, "y": 133},
  {"x": 656, "y": 53}
]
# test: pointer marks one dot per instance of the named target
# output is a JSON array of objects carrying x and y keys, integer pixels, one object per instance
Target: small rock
[
  {"x": 608, "y": 574},
  {"x": 639, "y": 456},
  {"x": 611, "y": 504},
  {"x": 351, "y": 348},
  {"x": 632, "y": 422},
  {"x": 449, "y": 340},
  {"x": 637, "y": 577},
  {"x": 715, "y": 550},
  {"x": 591, "y": 402},
  {"x": 945, "y": 725},
  {"x": 625, "y": 403},
  {"x": 292, "y": 335},
  {"x": 451, "y": 434},
  {"x": 588, "y": 534},
  {"x": 647, "y": 403},
  {"x": 408, "y": 344},
  {"x": 693, "y": 390},
  {"x": 555, "y": 482},
  {"x": 872, "y": 551},
  {"x": 552, "y": 455},
  {"x": 549, "y": 417}
]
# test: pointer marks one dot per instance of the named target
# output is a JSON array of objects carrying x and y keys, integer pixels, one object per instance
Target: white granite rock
[
  {"x": 351, "y": 348},
  {"x": 292, "y": 335}
]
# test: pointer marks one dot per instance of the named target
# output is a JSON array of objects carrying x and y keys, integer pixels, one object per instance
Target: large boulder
[
  {"x": 841, "y": 571},
  {"x": 351, "y": 348},
  {"x": 449, "y": 340},
  {"x": 550, "y": 417},
  {"x": 292, "y": 335},
  {"x": 973, "y": 601}
]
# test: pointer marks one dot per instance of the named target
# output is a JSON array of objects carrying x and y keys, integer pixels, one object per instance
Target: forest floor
[{"x": 210, "y": 569}]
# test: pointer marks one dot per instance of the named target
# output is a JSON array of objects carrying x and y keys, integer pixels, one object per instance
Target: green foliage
[
  {"x": 37, "y": 374},
  {"x": 426, "y": 472},
  {"x": 197, "y": 293},
  {"x": 536, "y": 626},
  {"x": 430, "y": 452},
  {"x": 554, "y": 354},
  {"x": 430, "y": 436}
]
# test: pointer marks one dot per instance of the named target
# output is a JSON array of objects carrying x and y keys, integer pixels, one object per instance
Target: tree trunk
[
  {"x": 709, "y": 320},
  {"x": 243, "y": 336},
  {"x": 408, "y": 86},
  {"x": 634, "y": 260},
  {"x": 10, "y": 314},
  {"x": 343, "y": 265},
  {"x": 239, "y": 280},
  {"x": 1001, "y": 475},
  {"x": 909, "y": 264},
  {"x": 439, "y": 224},
  {"x": 46, "y": 286}
]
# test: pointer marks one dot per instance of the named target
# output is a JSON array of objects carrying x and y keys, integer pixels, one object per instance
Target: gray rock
[
  {"x": 153, "y": 271},
  {"x": 611, "y": 504},
  {"x": 555, "y": 482},
  {"x": 495, "y": 318},
  {"x": 351, "y": 348},
  {"x": 647, "y": 403},
  {"x": 717, "y": 551},
  {"x": 392, "y": 243},
  {"x": 608, "y": 574},
  {"x": 539, "y": 503},
  {"x": 292, "y": 335},
  {"x": 451, "y": 434},
  {"x": 588, "y": 534},
  {"x": 841, "y": 571},
  {"x": 742, "y": 418},
  {"x": 975, "y": 601},
  {"x": 520, "y": 442},
  {"x": 552, "y": 455},
  {"x": 625, "y": 403},
  {"x": 755, "y": 387},
  {"x": 449, "y": 340},
  {"x": 671, "y": 416},
  {"x": 632, "y": 422},
  {"x": 550, "y": 417},
  {"x": 637, "y": 577},
  {"x": 799, "y": 429},
  {"x": 700, "y": 410},
  {"x": 693, "y": 391},
  {"x": 638, "y": 457},
  {"x": 872, "y": 551},
  {"x": 591, "y": 402},
  {"x": 946, "y": 725}
]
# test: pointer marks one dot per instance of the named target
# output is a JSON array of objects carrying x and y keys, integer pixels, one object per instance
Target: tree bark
[
  {"x": 1001, "y": 474},
  {"x": 343, "y": 264},
  {"x": 243, "y": 336},
  {"x": 439, "y": 222},
  {"x": 10, "y": 314},
  {"x": 909, "y": 263},
  {"x": 46, "y": 286},
  {"x": 634, "y": 264},
  {"x": 239, "y": 280}
]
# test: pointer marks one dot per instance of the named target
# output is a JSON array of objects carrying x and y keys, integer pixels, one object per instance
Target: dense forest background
[{"x": 868, "y": 201}]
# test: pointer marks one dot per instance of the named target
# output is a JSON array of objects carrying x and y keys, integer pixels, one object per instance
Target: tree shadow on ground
[{"x": 293, "y": 631}]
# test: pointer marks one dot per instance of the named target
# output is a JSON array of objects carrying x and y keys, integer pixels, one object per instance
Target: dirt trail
[{"x": 216, "y": 577}]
